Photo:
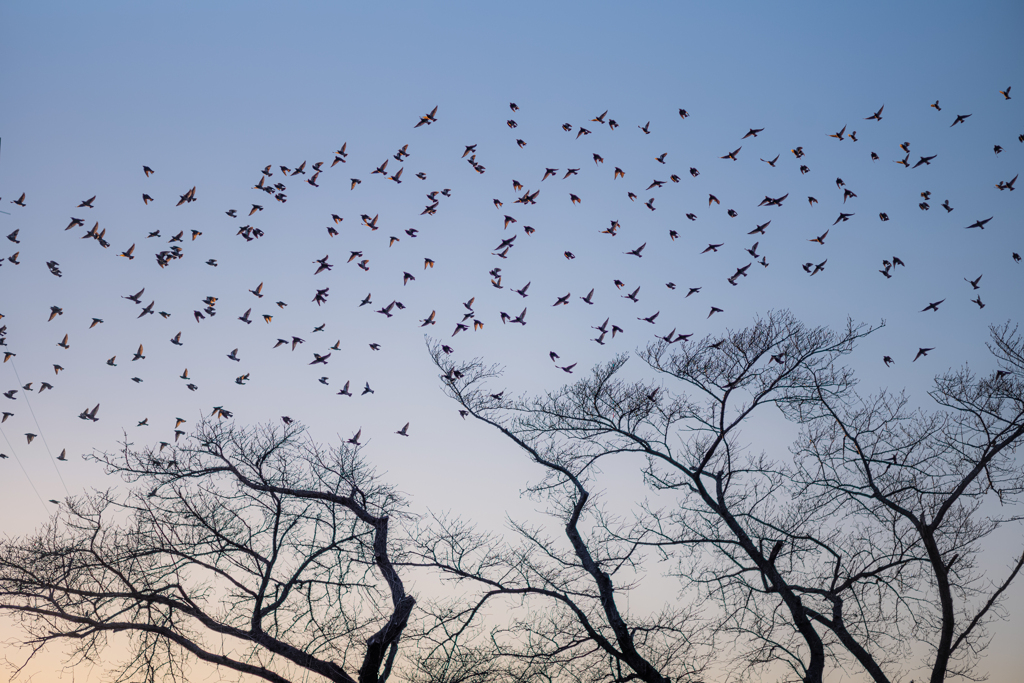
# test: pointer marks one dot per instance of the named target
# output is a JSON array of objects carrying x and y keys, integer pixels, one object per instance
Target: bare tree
[
  {"x": 574, "y": 625},
  {"x": 810, "y": 566},
  {"x": 255, "y": 550},
  {"x": 919, "y": 482}
]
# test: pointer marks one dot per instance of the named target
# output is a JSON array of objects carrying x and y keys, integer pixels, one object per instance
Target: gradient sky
[{"x": 208, "y": 96}]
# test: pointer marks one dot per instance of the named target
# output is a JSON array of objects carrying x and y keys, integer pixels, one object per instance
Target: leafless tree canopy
[
  {"x": 858, "y": 548},
  {"x": 253, "y": 550}
]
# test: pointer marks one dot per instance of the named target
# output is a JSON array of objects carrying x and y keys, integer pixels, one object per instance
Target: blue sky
[{"x": 208, "y": 96}]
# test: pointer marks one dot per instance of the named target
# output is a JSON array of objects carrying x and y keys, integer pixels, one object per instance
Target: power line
[
  {"x": 40, "y": 429},
  {"x": 14, "y": 453}
]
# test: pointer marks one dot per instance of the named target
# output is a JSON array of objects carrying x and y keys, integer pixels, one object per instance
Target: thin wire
[
  {"x": 38, "y": 427},
  {"x": 30, "y": 482}
]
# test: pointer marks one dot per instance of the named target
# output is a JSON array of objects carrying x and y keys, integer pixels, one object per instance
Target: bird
[
  {"x": 979, "y": 223},
  {"x": 838, "y": 135},
  {"x": 90, "y": 414},
  {"x": 959, "y": 119},
  {"x": 973, "y": 283},
  {"x": 732, "y": 154},
  {"x": 1005, "y": 93},
  {"x": 366, "y": 389},
  {"x": 877, "y": 116},
  {"x": 887, "y": 360},
  {"x": 752, "y": 133},
  {"x": 934, "y": 306},
  {"x": 134, "y": 297},
  {"x": 922, "y": 352},
  {"x": 428, "y": 118},
  {"x": 404, "y": 431}
]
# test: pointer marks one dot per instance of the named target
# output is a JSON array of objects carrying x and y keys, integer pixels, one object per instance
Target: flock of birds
[{"x": 273, "y": 182}]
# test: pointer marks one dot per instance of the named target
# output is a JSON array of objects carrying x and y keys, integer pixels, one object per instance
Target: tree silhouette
[
  {"x": 859, "y": 546},
  {"x": 254, "y": 550}
]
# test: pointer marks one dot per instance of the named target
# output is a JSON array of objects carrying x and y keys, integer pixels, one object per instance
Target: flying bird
[{"x": 922, "y": 352}]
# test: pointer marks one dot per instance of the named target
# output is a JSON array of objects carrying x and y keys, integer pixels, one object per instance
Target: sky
[{"x": 207, "y": 96}]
